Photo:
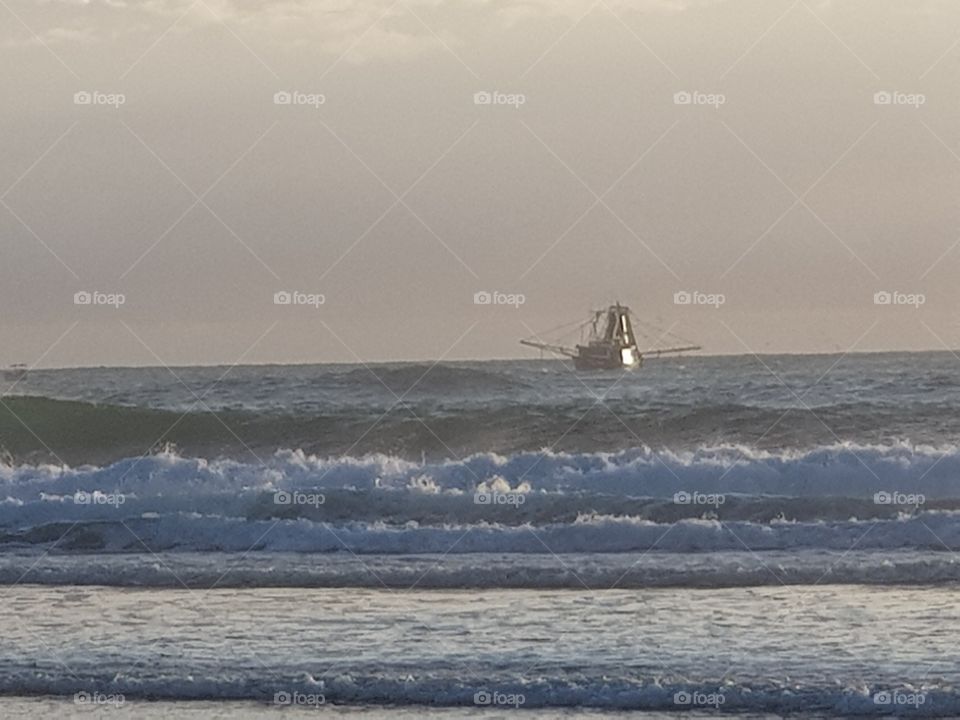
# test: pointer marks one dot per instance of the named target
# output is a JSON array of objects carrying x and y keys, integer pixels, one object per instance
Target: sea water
[{"x": 760, "y": 536}]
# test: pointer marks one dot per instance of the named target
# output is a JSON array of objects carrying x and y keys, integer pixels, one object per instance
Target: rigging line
[
  {"x": 662, "y": 333},
  {"x": 575, "y": 325}
]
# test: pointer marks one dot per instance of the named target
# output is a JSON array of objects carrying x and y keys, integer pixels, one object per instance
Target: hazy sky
[{"x": 143, "y": 153}]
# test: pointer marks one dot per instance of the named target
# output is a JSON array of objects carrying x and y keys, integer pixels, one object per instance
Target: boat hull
[{"x": 590, "y": 358}]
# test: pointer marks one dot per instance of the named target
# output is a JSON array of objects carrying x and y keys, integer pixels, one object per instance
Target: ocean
[{"x": 759, "y": 536}]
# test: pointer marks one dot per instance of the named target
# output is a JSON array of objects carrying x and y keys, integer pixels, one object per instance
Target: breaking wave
[
  {"x": 711, "y": 499},
  {"x": 194, "y": 532}
]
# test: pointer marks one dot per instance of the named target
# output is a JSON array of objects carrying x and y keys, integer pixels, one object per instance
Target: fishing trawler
[
  {"x": 15, "y": 372},
  {"x": 610, "y": 343}
]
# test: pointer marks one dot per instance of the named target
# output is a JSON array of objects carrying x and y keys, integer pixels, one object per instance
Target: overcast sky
[{"x": 631, "y": 150}]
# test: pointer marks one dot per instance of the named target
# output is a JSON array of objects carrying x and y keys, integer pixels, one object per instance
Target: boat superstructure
[
  {"x": 610, "y": 342},
  {"x": 15, "y": 372}
]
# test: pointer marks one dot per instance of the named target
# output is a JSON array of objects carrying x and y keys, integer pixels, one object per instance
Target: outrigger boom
[
  {"x": 559, "y": 349},
  {"x": 666, "y": 351},
  {"x": 572, "y": 352},
  {"x": 613, "y": 347}
]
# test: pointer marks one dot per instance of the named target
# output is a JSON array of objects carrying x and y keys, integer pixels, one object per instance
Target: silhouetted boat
[
  {"x": 15, "y": 372},
  {"x": 610, "y": 344}
]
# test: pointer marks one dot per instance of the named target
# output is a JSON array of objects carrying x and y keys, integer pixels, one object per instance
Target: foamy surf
[
  {"x": 715, "y": 501},
  {"x": 837, "y": 471}
]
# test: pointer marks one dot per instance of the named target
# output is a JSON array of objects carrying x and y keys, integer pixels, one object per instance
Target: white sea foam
[
  {"x": 842, "y": 470},
  {"x": 598, "y": 502},
  {"x": 186, "y": 531}
]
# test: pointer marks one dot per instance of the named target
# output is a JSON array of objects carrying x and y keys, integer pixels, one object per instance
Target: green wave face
[{"x": 37, "y": 428}]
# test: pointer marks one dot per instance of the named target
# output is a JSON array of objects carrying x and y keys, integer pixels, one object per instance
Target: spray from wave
[{"x": 710, "y": 499}]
